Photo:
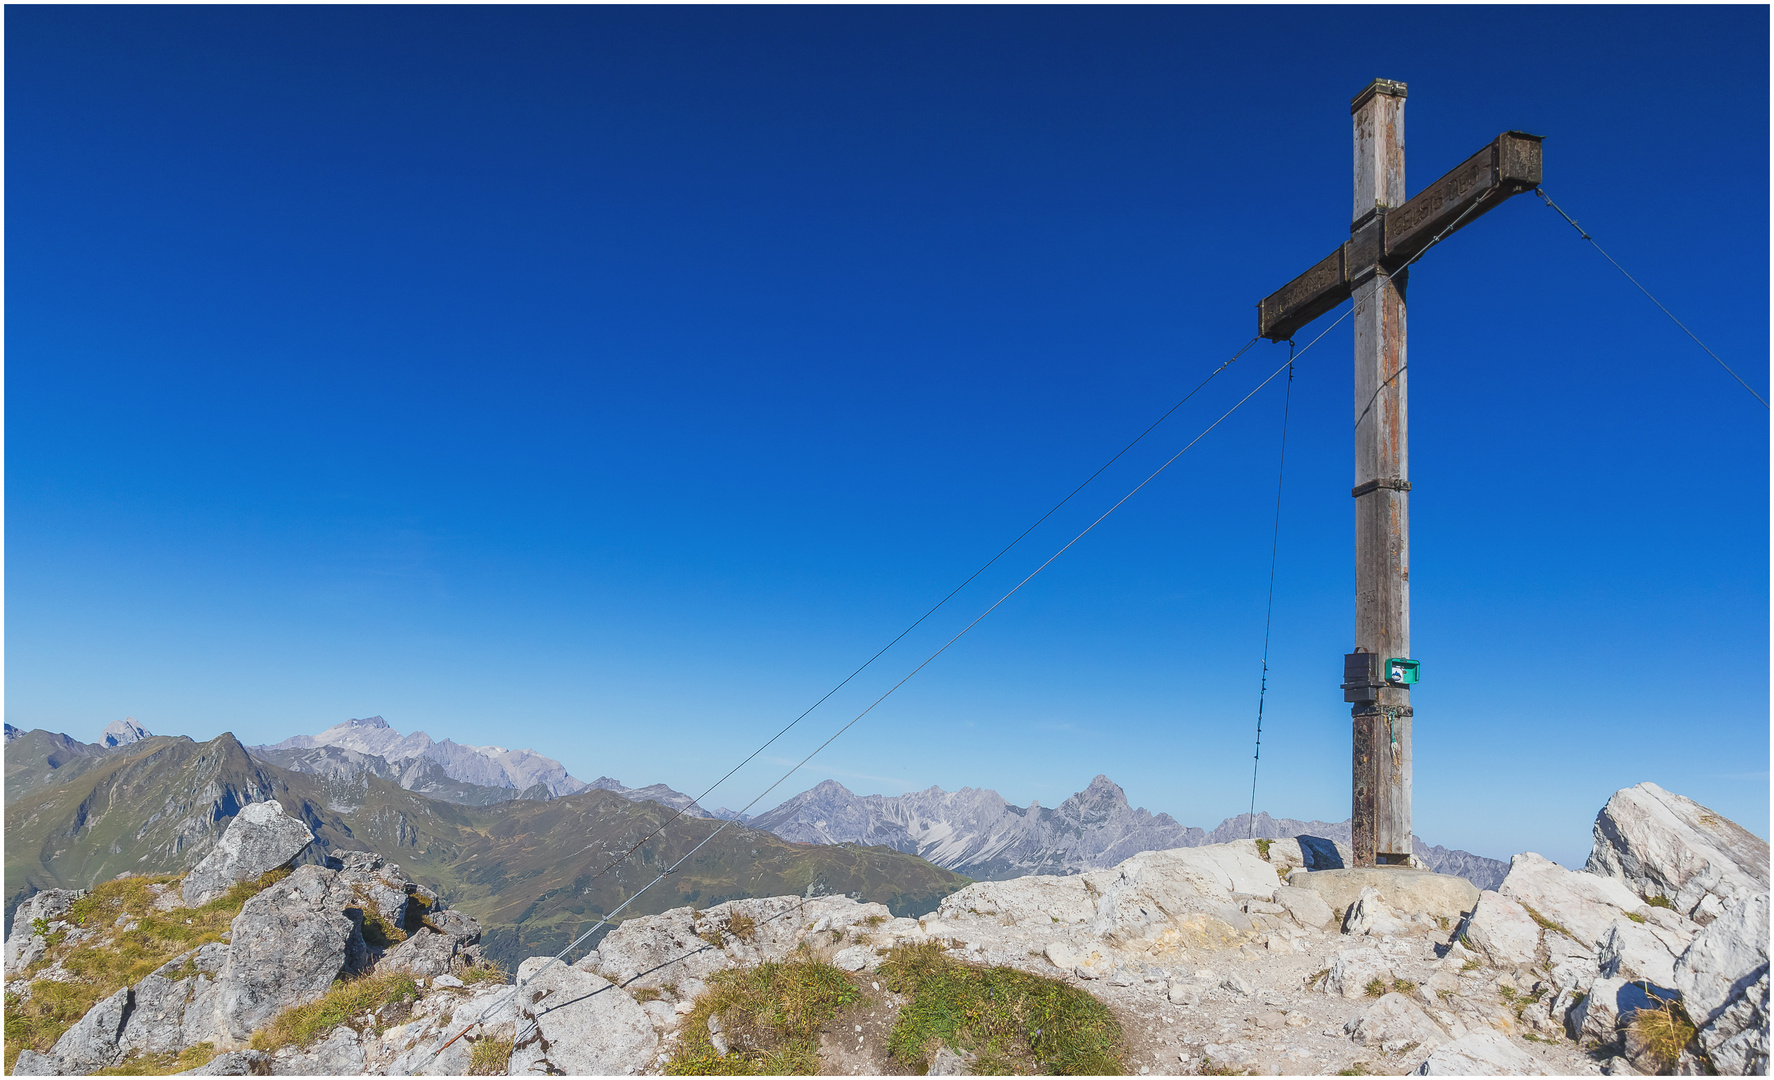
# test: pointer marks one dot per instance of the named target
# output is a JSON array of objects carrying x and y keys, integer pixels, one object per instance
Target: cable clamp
[{"x": 1389, "y": 482}]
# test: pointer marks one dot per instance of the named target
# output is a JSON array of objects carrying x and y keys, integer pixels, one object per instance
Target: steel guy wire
[
  {"x": 907, "y": 678},
  {"x": 1269, "y": 610},
  {"x": 697, "y": 801},
  {"x": 1547, "y": 199}
]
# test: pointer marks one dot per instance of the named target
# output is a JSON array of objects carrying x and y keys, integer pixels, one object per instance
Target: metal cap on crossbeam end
[{"x": 1389, "y": 87}]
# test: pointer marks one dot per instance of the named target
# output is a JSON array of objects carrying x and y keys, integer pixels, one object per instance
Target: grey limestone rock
[
  {"x": 1501, "y": 931},
  {"x": 289, "y": 943},
  {"x": 339, "y": 1054},
  {"x": 233, "y": 1063},
  {"x": 578, "y": 1024},
  {"x": 259, "y": 839},
  {"x": 1480, "y": 1053},
  {"x": 1661, "y": 844},
  {"x": 1369, "y": 916},
  {"x": 25, "y": 946},
  {"x": 1305, "y": 907},
  {"x": 1393, "y": 1023},
  {"x": 91, "y": 1044},
  {"x": 1723, "y": 979},
  {"x": 1401, "y": 889},
  {"x": 1352, "y": 969}
]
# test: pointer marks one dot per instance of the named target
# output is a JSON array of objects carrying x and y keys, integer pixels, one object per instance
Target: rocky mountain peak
[
  {"x": 369, "y": 722},
  {"x": 123, "y": 732}
]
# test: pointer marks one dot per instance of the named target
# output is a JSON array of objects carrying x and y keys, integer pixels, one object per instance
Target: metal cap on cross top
[{"x": 1388, "y": 233}]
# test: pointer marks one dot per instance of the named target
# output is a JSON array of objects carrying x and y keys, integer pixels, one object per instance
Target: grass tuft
[
  {"x": 485, "y": 971},
  {"x": 771, "y": 1015},
  {"x": 303, "y": 1025},
  {"x": 1547, "y": 924},
  {"x": 1663, "y": 1033},
  {"x": 1011, "y": 1021},
  {"x": 139, "y": 1064},
  {"x": 1662, "y": 902},
  {"x": 1376, "y": 987},
  {"x": 489, "y": 1057}
]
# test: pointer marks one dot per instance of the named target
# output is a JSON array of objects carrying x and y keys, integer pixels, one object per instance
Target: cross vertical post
[
  {"x": 1381, "y": 814},
  {"x": 1387, "y": 234}
]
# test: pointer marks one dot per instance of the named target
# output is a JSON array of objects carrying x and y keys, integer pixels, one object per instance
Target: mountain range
[
  {"x": 972, "y": 831},
  {"x": 533, "y": 871},
  {"x": 977, "y": 833},
  {"x": 409, "y": 756}
]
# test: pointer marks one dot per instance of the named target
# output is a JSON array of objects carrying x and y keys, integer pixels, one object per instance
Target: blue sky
[{"x": 613, "y": 381}]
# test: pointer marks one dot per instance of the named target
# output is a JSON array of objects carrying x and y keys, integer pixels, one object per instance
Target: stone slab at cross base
[{"x": 1406, "y": 891}]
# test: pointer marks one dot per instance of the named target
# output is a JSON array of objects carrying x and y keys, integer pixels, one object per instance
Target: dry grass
[
  {"x": 303, "y": 1025},
  {"x": 485, "y": 971},
  {"x": 138, "y": 1064},
  {"x": 1547, "y": 924},
  {"x": 489, "y": 1057},
  {"x": 1663, "y": 1033},
  {"x": 112, "y": 959},
  {"x": 771, "y": 1015}
]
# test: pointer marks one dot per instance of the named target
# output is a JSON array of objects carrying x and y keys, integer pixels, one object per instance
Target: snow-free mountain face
[
  {"x": 482, "y": 766},
  {"x": 977, "y": 833},
  {"x": 123, "y": 732}
]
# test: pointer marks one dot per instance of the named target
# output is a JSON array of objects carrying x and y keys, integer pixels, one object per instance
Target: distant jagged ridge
[
  {"x": 976, "y": 832},
  {"x": 482, "y": 766}
]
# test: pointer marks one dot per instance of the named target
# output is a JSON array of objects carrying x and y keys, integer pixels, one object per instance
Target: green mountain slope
[
  {"x": 37, "y": 759},
  {"x": 524, "y": 868}
]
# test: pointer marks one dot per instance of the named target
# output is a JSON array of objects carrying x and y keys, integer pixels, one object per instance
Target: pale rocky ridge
[
  {"x": 1232, "y": 955},
  {"x": 123, "y": 732},
  {"x": 978, "y": 833},
  {"x": 483, "y": 766}
]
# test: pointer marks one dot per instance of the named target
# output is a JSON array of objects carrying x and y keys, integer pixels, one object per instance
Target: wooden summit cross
[{"x": 1386, "y": 236}]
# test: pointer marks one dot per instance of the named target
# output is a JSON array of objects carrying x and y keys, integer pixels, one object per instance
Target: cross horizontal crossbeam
[{"x": 1391, "y": 238}]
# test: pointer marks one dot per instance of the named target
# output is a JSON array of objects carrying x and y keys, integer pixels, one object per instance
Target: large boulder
[
  {"x": 573, "y": 1022},
  {"x": 1403, "y": 890},
  {"x": 697, "y": 943},
  {"x": 1305, "y": 907},
  {"x": 88, "y": 1046},
  {"x": 1480, "y": 1053},
  {"x": 1583, "y": 905},
  {"x": 288, "y": 944},
  {"x": 1370, "y": 916},
  {"x": 1662, "y": 844},
  {"x": 261, "y": 838},
  {"x": 1502, "y": 932},
  {"x": 24, "y": 946},
  {"x": 1723, "y": 979},
  {"x": 1153, "y": 902}
]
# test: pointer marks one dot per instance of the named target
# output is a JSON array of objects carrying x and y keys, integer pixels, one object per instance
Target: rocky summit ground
[{"x": 1263, "y": 957}]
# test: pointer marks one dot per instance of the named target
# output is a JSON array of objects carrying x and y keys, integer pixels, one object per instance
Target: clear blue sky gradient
[{"x": 612, "y": 381}]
